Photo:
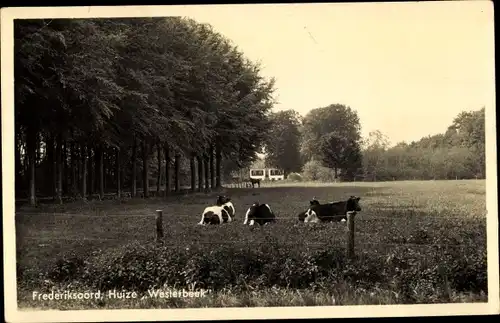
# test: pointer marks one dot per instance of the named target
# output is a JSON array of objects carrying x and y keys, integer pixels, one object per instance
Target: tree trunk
[
  {"x": 168, "y": 184},
  {"x": 104, "y": 170},
  {"x": 192, "y": 164},
  {"x": 38, "y": 152},
  {"x": 207, "y": 173},
  {"x": 26, "y": 166},
  {"x": 65, "y": 168},
  {"x": 31, "y": 143},
  {"x": 158, "y": 181},
  {"x": 134, "y": 169},
  {"x": 200, "y": 174},
  {"x": 145, "y": 169},
  {"x": 118, "y": 174},
  {"x": 84, "y": 172},
  {"x": 18, "y": 170},
  {"x": 59, "y": 167},
  {"x": 91, "y": 171},
  {"x": 177, "y": 171},
  {"x": 122, "y": 175},
  {"x": 73, "y": 168},
  {"x": 79, "y": 168},
  {"x": 218, "y": 163},
  {"x": 51, "y": 158},
  {"x": 100, "y": 168},
  {"x": 212, "y": 167}
]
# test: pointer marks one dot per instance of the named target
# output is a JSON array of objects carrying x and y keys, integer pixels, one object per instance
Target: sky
[{"x": 407, "y": 68}]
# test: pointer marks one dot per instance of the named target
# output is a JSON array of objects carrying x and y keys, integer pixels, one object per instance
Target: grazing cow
[
  {"x": 222, "y": 212},
  {"x": 260, "y": 214},
  {"x": 226, "y": 203},
  {"x": 333, "y": 211},
  {"x": 302, "y": 215},
  {"x": 254, "y": 181}
]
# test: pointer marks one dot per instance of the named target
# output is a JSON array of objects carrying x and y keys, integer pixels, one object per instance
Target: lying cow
[
  {"x": 334, "y": 211},
  {"x": 226, "y": 203},
  {"x": 260, "y": 214},
  {"x": 222, "y": 212},
  {"x": 302, "y": 215}
]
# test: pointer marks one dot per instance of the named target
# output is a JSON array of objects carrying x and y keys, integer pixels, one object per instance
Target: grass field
[{"x": 416, "y": 242}]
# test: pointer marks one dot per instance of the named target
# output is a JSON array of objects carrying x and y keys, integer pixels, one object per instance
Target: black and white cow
[
  {"x": 222, "y": 212},
  {"x": 302, "y": 215},
  {"x": 226, "y": 203},
  {"x": 260, "y": 214},
  {"x": 333, "y": 211}
]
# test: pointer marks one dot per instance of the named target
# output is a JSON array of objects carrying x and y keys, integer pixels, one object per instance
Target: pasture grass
[{"x": 416, "y": 242}]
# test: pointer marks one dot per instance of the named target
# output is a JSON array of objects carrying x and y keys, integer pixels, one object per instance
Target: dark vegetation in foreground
[{"x": 139, "y": 267}]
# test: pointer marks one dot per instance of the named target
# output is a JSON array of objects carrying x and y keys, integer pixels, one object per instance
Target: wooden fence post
[
  {"x": 159, "y": 226},
  {"x": 350, "y": 234}
]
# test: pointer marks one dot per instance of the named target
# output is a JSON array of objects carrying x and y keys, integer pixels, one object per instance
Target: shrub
[
  {"x": 296, "y": 177},
  {"x": 67, "y": 268},
  {"x": 326, "y": 175},
  {"x": 313, "y": 170},
  {"x": 420, "y": 273}
]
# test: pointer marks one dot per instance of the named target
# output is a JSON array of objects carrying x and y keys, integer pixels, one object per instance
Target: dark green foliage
[
  {"x": 332, "y": 135},
  {"x": 105, "y": 83},
  {"x": 458, "y": 153},
  {"x": 67, "y": 268},
  {"x": 283, "y": 142},
  {"x": 142, "y": 267}
]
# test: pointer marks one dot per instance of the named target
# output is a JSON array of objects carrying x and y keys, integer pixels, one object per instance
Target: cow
[
  {"x": 222, "y": 212},
  {"x": 260, "y": 214},
  {"x": 254, "y": 181},
  {"x": 302, "y": 215},
  {"x": 333, "y": 211},
  {"x": 226, "y": 203}
]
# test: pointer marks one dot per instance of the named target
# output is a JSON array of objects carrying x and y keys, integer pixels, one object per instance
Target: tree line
[
  {"x": 326, "y": 144},
  {"x": 111, "y": 104},
  {"x": 114, "y": 105}
]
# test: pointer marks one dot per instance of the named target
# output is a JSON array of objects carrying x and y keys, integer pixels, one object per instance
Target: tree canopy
[
  {"x": 282, "y": 145},
  {"x": 89, "y": 89},
  {"x": 332, "y": 135}
]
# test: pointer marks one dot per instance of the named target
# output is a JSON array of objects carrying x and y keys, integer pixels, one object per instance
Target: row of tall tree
[
  {"x": 107, "y": 104},
  {"x": 327, "y": 144}
]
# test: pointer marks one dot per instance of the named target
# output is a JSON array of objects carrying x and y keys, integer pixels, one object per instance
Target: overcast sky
[{"x": 407, "y": 68}]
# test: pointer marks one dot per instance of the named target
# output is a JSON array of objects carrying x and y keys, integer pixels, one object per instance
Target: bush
[
  {"x": 67, "y": 268},
  {"x": 217, "y": 267},
  {"x": 141, "y": 267},
  {"x": 310, "y": 171},
  {"x": 313, "y": 170},
  {"x": 419, "y": 264},
  {"x": 326, "y": 175},
  {"x": 296, "y": 177}
]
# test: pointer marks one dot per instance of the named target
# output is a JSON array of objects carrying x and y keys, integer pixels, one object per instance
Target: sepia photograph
[{"x": 249, "y": 161}]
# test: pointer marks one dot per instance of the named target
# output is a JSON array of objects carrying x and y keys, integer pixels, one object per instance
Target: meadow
[{"x": 416, "y": 242}]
